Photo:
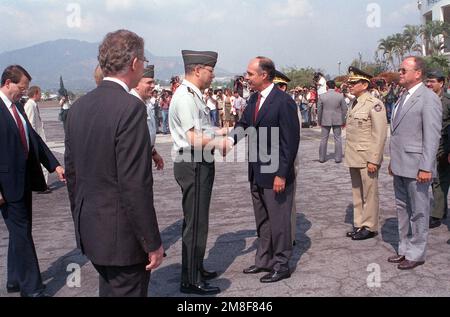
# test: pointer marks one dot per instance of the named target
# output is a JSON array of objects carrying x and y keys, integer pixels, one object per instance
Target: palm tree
[
  {"x": 433, "y": 33},
  {"x": 387, "y": 46},
  {"x": 411, "y": 34}
]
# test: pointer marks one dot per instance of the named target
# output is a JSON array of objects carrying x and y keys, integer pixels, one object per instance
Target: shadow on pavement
[
  {"x": 55, "y": 276},
  {"x": 389, "y": 232},
  {"x": 303, "y": 242}
]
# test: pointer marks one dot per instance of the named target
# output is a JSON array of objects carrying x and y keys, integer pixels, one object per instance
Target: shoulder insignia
[
  {"x": 378, "y": 108},
  {"x": 189, "y": 89}
]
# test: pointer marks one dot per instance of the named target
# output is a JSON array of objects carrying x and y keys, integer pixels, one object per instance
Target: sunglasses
[{"x": 404, "y": 71}]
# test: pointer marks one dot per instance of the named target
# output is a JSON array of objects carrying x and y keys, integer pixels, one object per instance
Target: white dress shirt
[
  {"x": 8, "y": 104},
  {"x": 264, "y": 94}
]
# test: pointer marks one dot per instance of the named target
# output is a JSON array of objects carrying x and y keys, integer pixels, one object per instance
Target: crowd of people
[{"x": 110, "y": 148}]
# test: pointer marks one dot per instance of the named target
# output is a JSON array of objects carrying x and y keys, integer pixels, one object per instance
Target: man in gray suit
[
  {"x": 331, "y": 114},
  {"x": 415, "y": 134}
]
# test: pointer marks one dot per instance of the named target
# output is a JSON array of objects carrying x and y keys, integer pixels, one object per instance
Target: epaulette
[{"x": 189, "y": 89}]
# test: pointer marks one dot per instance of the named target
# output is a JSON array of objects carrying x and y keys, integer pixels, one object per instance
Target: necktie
[
  {"x": 258, "y": 104},
  {"x": 23, "y": 138},
  {"x": 400, "y": 107}
]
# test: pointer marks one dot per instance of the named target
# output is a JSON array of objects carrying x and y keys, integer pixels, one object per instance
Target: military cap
[
  {"x": 149, "y": 72},
  {"x": 355, "y": 74},
  {"x": 206, "y": 58},
  {"x": 436, "y": 73},
  {"x": 280, "y": 78}
]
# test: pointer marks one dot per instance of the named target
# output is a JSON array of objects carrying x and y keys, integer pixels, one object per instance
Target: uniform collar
[{"x": 188, "y": 84}]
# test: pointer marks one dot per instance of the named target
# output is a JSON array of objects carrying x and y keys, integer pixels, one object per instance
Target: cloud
[
  {"x": 292, "y": 9},
  {"x": 117, "y": 5}
]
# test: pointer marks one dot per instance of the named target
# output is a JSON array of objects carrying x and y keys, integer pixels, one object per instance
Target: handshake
[{"x": 223, "y": 142}]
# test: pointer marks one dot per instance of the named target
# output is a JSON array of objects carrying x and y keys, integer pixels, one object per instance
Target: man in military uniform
[
  {"x": 436, "y": 82},
  {"x": 194, "y": 140},
  {"x": 144, "y": 91},
  {"x": 366, "y": 136},
  {"x": 281, "y": 81}
]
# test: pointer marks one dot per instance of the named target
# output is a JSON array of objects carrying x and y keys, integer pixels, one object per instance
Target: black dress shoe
[
  {"x": 396, "y": 259},
  {"x": 275, "y": 276},
  {"x": 254, "y": 270},
  {"x": 364, "y": 234},
  {"x": 199, "y": 289},
  {"x": 435, "y": 222},
  {"x": 12, "y": 288},
  {"x": 409, "y": 265},
  {"x": 37, "y": 294},
  {"x": 350, "y": 234},
  {"x": 206, "y": 275}
]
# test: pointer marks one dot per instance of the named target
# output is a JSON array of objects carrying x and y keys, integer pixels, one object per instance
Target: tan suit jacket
[{"x": 366, "y": 132}]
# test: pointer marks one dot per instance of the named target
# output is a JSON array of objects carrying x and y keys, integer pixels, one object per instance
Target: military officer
[
  {"x": 436, "y": 82},
  {"x": 282, "y": 81},
  {"x": 144, "y": 91},
  {"x": 194, "y": 140},
  {"x": 366, "y": 136}
]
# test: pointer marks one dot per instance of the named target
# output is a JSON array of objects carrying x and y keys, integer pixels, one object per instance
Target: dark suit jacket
[
  {"x": 18, "y": 174},
  {"x": 279, "y": 111},
  {"x": 109, "y": 177}
]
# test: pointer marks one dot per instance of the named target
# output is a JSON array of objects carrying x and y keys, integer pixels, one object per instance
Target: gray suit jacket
[
  {"x": 331, "y": 109},
  {"x": 415, "y": 138}
]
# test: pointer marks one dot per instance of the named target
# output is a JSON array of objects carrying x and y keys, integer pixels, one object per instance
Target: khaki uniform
[{"x": 366, "y": 136}]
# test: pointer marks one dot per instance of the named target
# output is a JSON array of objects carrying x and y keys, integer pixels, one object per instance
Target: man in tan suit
[
  {"x": 34, "y": 116},
  {"x": 366, "y": 136}
]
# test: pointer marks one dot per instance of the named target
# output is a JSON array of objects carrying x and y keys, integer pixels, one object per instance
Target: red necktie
[
  {"x": 23, "y": 138},
  {"x": 258, "y": 104}
]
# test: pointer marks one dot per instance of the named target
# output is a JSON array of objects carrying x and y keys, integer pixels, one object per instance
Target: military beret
[
  {"x": 206, "y": 58},
  {"x": 355, "y": 74},
  {"x": 149, "y": 72},
  {"x": 280, "y": 78}
]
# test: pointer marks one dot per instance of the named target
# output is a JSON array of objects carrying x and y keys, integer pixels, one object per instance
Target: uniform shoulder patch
[{"x": 378, "y": 108}]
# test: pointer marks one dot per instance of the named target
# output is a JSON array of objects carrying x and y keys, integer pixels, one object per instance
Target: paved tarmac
[{"x": 325, "y": 262}]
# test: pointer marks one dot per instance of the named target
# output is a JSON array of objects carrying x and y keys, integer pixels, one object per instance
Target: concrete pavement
[{"x": 325, "y": 262}]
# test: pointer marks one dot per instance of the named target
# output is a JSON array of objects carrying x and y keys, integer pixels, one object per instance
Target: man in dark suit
[
  {"x": 271, "y": 122},
  {"x": 109, "y": 173},
  {"x": 20, "y": 173}
]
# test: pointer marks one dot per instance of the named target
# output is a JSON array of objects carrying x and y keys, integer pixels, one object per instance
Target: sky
[{"x": 294, "y": 33}]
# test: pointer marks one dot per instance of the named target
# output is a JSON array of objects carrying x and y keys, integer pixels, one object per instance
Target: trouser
[
  {"x": 123, "y": 281},
  {"x": 214, "y": 117},
  {"x": 413, "y": 210},
  {"x": 273, "y": 223},
  {"x": 366, "y": 206},
  {"x": 337, "y": 132},
  {"x": 23, "y": 267},
  {"x": 165, "y": 121},
  {"x": 196, "y": 182},
  {"x": 440, "y": 191}
]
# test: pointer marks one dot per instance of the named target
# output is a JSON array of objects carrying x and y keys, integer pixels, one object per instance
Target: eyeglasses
[
  {"x": 404, "y": 71},
  {"x": 211, "y": 70},
  {"x": 144, "y": 60}
]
